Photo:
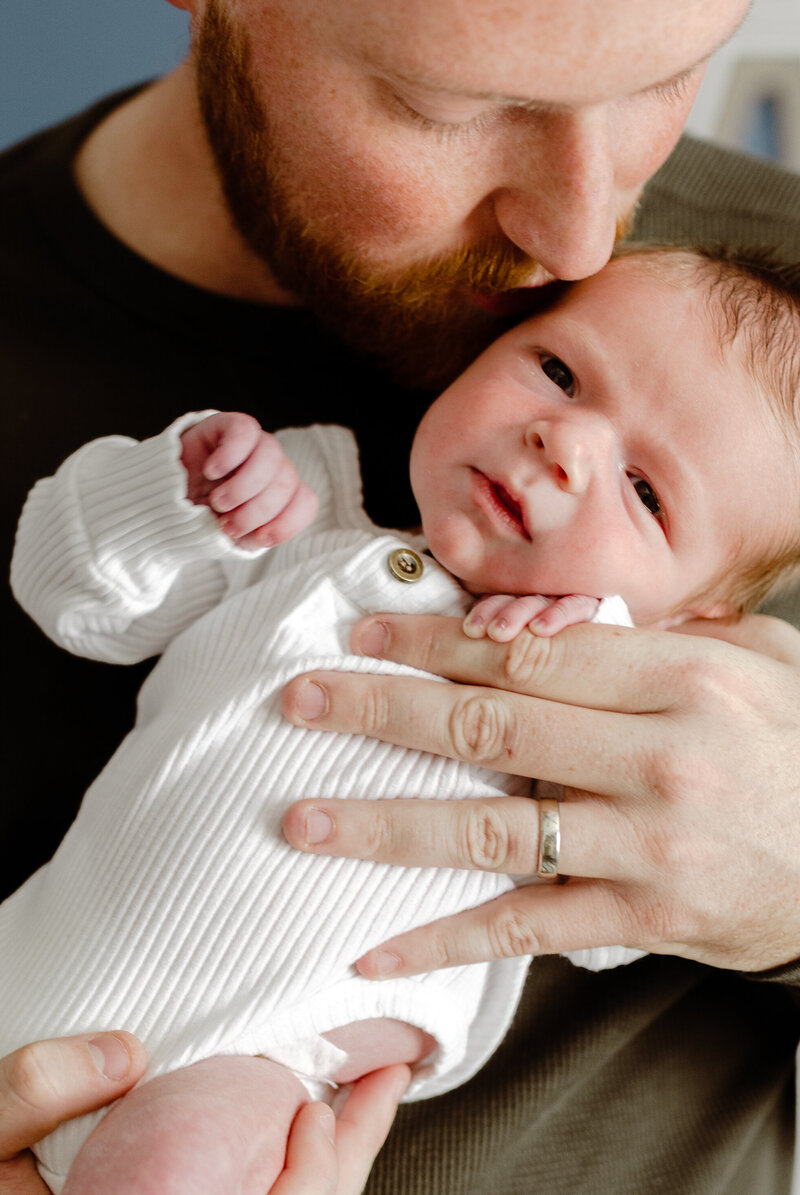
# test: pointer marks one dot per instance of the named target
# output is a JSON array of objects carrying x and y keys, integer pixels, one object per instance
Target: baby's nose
[{"x": 565, "y": 450}]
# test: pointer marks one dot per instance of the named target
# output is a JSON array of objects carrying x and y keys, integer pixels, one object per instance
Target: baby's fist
[{"x": 243, "y": 474}]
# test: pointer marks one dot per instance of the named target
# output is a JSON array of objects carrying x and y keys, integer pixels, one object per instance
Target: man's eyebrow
[
  {"x": 411, "y": 79},
  {"x": 415, "y": 79},
  {"x": 518, "y": 101}
]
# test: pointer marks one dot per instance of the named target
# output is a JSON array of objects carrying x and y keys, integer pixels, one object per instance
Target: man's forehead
[{"x": 583, "y": 51}]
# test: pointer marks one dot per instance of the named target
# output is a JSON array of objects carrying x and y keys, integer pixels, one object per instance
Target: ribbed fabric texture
[
  {"x": 174, "y": 907},
  {"x": 664, "y": 1077}
]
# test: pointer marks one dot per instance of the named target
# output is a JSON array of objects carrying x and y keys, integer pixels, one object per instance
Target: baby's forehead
[
  {"x": 754, "y": 324},
  {"x": 678, "y": 271}
]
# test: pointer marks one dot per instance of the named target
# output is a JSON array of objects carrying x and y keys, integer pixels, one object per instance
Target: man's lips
[{"x": 501, "y": 504}]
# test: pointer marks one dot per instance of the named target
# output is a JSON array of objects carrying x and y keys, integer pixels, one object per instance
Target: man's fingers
[
  {"x": 540, "y": 919},
  {"x": 603, "y": 667},
  {"x": 487, "y": 727},
  {"x": 363, "y": 1123},
  {"x": 311, "y": 1164},
  {"x": 47, "y": 1082},
  {"x": 19, "y": 1176},
  {"x": 499, "y": 835},
  {"x": 365, "y": 1111}
]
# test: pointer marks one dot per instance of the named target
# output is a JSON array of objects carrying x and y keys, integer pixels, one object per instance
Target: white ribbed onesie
[{"x": 174, "y": 907}]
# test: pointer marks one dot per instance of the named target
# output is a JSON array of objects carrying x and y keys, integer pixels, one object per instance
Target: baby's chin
[{"x": 473, "y": 587}]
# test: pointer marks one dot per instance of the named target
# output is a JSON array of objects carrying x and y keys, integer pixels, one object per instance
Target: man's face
[
  {"x": 399, "y": 164},
  {"x": 598, "y": 449}
]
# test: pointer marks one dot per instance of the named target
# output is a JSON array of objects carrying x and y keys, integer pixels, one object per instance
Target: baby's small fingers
[
  {"x": 567, "y": 611},
  {"x": 235, "y": 435},
  {"x": 264, "y": 505},
  {"x": 265, "y": 466},
  {"x": 477, "y": 621},
  {"x": 298, "y": 513},
  {"x": 515, "y": 616}
]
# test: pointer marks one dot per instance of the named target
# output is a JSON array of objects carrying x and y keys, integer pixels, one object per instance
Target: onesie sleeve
[{"x": 111, "y": 558}]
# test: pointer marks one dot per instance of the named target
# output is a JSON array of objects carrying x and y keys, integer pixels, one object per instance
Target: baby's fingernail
[
  {"x": 212, "y": 471},
  {"x": 319, "y": 827},
  {"x": 110, "y": 1056},
  {"x": 373, "y": 639},
  {"x": 498, "y": 624},
  {"x": 473, "y": 625},
  {"x": 311, "y": 701}
]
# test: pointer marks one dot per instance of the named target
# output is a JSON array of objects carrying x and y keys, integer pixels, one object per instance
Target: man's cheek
[{"x": 381, "y": 199}]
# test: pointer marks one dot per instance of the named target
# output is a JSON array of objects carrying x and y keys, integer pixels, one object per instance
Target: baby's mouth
[
  {"x": 511, "y": 505},
  {"x": 507, "y": 505}
]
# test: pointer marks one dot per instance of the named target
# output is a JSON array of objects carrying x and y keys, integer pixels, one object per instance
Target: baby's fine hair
[{"x": 754, "y": 298}]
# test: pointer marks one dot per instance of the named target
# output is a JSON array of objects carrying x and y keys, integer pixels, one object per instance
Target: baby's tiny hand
[
  {"x": 502, "y": 617},
  {"x": 243, "y": 474}
]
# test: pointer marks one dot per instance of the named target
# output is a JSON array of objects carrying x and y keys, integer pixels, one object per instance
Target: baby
[{"x": 638, "y": 438}]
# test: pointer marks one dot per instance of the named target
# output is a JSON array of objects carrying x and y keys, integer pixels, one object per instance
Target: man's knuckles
[
  {"x": 486, "y": 838},
  {"x": 482, "y": 729},
  {"x": 28, "y": 1082}
]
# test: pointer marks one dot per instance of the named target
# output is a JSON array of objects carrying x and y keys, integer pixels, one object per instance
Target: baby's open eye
[
  {"x": 647, "y": 496},
  {"x": 558, "y": 373}
]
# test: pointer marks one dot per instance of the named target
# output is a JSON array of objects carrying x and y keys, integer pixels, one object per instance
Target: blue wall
[{"x": 57, "y": 56}]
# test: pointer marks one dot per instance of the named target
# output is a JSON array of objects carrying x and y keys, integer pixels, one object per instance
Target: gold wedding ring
[{"x": 549, "y": 840}]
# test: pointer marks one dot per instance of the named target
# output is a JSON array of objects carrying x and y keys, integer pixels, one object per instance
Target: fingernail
[
  {"x": 319, "y": 827},
  {"x": 311, "y": 701},
  {"x": 498, "y": 624},
  {"x": 110, "y": 1056},
  {"x": 383, "y": 963},
  {"x": 373, "y": 640},
  {"x": 327, "y": 1122},
  {"x": 473, "y": 625},
  {"x": 212, "y": 472}
]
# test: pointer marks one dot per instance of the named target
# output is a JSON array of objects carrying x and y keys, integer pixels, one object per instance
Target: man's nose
[
  {"x": 560, "y": 204},
  {"x": 571, "y": 453}
]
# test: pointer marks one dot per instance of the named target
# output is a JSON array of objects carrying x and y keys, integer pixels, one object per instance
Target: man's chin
[
  {"x": 416, "y": 352},
  {"x": 429, "y": 345}
]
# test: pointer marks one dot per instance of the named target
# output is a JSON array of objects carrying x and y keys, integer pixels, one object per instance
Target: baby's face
[{"x": 608, "y": 446}]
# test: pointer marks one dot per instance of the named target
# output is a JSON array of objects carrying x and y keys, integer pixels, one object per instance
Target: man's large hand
[
  {"x": 48, "y": 1082},
  {"x": 334, "y": 1157},
  {"x": 680, "y": 755}
]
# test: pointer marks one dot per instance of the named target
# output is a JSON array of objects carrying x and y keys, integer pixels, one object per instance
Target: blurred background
[{"x": 57, "y": 56}]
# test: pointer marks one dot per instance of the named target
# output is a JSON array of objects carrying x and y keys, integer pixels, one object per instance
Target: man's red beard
[{"x": 421, "y": 323}]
